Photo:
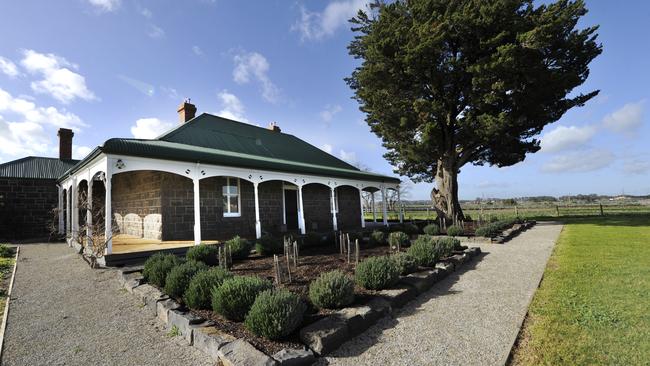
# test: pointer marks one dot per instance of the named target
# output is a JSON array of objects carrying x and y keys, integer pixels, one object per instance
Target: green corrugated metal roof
[
  {"x": 215, "y": 140},
  {"x": 36, "y": 168}
]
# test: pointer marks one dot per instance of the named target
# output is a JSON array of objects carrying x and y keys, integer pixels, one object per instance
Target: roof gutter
[{"x": 93, "y": 154}]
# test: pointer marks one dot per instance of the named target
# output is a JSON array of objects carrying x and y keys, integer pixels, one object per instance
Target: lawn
[{"x": 592, "y": 307}]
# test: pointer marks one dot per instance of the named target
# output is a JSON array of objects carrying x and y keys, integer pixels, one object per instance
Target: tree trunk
[{"x": 445, "y": 195}]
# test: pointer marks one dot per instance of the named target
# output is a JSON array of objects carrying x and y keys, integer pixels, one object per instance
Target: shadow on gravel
[{"x": 371, "y": 336}]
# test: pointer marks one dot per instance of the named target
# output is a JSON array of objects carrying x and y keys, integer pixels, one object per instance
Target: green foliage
[
  {"x": 397, "y": 239},
  {"x": 267, "y": 245},
  {"x": 405, "y": 262},
  {"x": 423, "y": 251},
  {"x": 432, "y": 229},
  {"x": 332, "y": 290},
  {"x": 455, "y": 230},
  {"x": 158, "y": 266},
  {"x": 180, "y": 276},
  {"x": 203, "y": 253},
  {"x": 410, "y": 229},
  {"x": 377, "y": 238},
  {"x": 495, "y": 228},
  {"x": 199, "y": 292},
  {"x": 239, "y": 247},
  {"x": 377, "y": 273},
  {"x": 445, "y": 246},
  {"x": 445, "y": 84},
  {"x": 275, "y": 314},
  {"x": 236, "y": 295},
  {"x": 6, "y": 251}
]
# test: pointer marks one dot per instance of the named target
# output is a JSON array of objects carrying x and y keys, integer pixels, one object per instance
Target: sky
[{"x": 117, "y": 68}]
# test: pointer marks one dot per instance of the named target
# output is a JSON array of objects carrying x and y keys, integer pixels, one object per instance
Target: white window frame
[{"x": 228, "y": 196}]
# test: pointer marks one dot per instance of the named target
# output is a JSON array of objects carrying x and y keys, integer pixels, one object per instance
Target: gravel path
[
  {"x": 470, "y": 318},
  {"x": 64, "y": 313}
]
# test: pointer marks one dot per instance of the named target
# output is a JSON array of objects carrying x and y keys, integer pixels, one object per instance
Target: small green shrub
[
  {"x": 234, "y": 298},
  {"x": 180, "y": 276},
  {"x": 377, "y": 273},
  {"x": 239, "y": 247},
  {"x": 267, "y": 245},
  {"x": 207, "y": 254},
  {"x": 275, "y": 314},
  {"x": 410, "y": 229},
  {"x": 377, "y": 238},
  {"x": 397, "y": 239},
  {"x": 455, "y": 230},
  {"x": 6, "y": 251},
  {"x": 423, "y": 251},
  {"x": 432, "y": 229},
  {"x": 158, "y": 266},
  {"x": 332, "y": 290},
  {"x": 354, "y": 236},
  {"x": 199, "y": 292},
  {"x": 405, "y": 262},
  {"x": 445, "y": 246}
]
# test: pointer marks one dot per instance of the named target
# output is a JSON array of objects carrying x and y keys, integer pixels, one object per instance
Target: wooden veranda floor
[{"x": 131, "y": 244}]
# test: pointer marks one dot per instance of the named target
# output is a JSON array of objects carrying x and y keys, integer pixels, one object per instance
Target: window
[{"x": 231, "y": 198}]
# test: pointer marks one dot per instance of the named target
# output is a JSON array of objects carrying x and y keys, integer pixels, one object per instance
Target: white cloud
[
  {"x": 231, "y": 107},
  {"x": 348, "y": 156},
  {"x": 577, "y": 162},
  {"x": 316, "y": 26},
  {"x": 327, "y": 148},
  {"x": 139, "y": 85},
  {"x": 155, "y": 31},
  {"x": 58, "y": 80},
  {"x": 627, "y": 119},
  {"x": 197, "y": 50},
  {"x": 149, "y": 128},
  {"x": 636, "y": 166},
  {"x": 105, "y": 5},
  {"x": 146, "y": 13},
  {"x": 170, "y": 92},
  {"x": 8, "y": 68},
  {"x": 23, "y": 125},
  {"x": 254, "y": 65},
  {"x": 566, "y": 138},
  {"x": 80, "y": 152},
  {"x": 329, "y": 112}
]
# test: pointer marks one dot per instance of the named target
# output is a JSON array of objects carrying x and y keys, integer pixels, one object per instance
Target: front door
[{"x": 291, "y": 208}]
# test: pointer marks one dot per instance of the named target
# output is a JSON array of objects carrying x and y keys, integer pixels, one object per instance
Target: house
[
  {"x": 28, "y": 192},
  {"x": 209, "y": 179}
]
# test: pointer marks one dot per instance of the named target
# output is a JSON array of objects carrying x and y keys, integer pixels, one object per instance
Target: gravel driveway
[
  {"x": 64, "y": 313},
  {"x": 470, "y": 318}
]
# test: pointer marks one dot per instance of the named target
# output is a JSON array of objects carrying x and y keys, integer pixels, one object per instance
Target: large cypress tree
[{"x": 445, "y": 83}]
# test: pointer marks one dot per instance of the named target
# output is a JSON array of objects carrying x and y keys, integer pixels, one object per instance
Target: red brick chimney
[
  {"x": 186, "y": 111},
  {"x": 274, "y": 127},
  {"x": 65, "y": 143}
]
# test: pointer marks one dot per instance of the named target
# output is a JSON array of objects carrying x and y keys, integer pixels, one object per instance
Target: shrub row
[
  {"x": 493, "y": 229},
  {"x": 427, "y": 250}
]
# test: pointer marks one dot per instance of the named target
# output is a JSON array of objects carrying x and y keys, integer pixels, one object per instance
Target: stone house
[
  {"x": 209, "y": 179},
  {"x": 28, "y": 192}
]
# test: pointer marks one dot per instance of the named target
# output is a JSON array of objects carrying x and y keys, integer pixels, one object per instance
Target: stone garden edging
[{"x": 321, "y": 337}]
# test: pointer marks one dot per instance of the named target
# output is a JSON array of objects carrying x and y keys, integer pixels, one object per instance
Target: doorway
[{"x": 291, "y": 209}]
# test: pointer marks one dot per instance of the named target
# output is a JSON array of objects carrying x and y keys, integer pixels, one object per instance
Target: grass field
[{"x": 593, "y": 305}]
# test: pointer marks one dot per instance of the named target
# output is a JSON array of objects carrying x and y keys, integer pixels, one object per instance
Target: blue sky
[{"x": 110, "y": 68}]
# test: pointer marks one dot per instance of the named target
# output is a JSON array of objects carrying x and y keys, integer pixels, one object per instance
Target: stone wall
[
  {"x": 317, "y": 206},
  {"x": 177, "y": 201},
  {"x": 136, "y": 203},
  {"x": 214, "y": 226},
  {"x": 349, "y": 215},
  {"x": 270, "y": 196},
  {"x": 26, "y": 208}
]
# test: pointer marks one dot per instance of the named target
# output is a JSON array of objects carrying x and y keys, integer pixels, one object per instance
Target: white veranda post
[
  {"x": 60, "y": 209},
  {"x": 258, "y": 224},
  {"x": 89, "y": 211},
  {"x": 301, "y": 213},
  {"x": 383, "y": 206},
  {"x": 108, "y": 214},
  {"x": 74, "y": 207},
  {"x": 197, "y": 212},
  {"x": 333, "y": 207},
  {"x": 363, "y": 221},
  {"x": 374, "y": 211},
  {"x": 399, "y": 207}
]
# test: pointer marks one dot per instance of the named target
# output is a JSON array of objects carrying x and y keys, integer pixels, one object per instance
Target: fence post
[
  {"x": 557, "y": 210},
  {"x": 516, "y": 211},
  {"x": 601, "y": 210}
]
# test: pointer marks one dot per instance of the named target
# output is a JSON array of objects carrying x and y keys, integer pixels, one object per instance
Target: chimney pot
[
  {"x": 274, "y": 127},
  {"x": 65, "y": 143},
  {"x": 186, "y": 111}
]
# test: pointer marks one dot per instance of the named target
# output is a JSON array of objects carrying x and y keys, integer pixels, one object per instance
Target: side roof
[
  {"x": 216, "y": 140},
  {"x": 35, "y": 167}
]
